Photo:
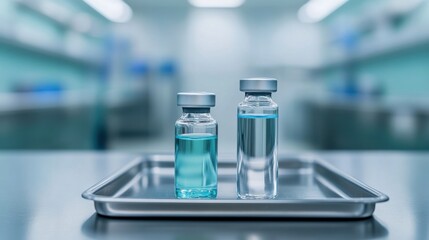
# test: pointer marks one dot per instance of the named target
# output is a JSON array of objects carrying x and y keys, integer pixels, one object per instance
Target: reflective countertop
[{"x": 41, "y": 199}]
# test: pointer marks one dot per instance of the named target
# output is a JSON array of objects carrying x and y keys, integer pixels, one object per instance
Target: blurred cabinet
[
  {"x": 50, "y": 128},
  {"x": 336, "y": 125}
]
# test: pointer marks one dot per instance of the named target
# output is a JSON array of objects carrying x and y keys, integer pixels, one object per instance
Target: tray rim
[{"x": 89, "y": 194}]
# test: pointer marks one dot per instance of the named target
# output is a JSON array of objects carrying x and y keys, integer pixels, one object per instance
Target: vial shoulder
[
  {"x": 259, "y": 108},
  {"x": 196, "y": 121},
  {"x": 192, "y": 126},
  {"x": 258, "y": 104}
]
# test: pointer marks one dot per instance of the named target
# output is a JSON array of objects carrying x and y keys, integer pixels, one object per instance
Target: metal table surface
[{"x": 40, "y": 199}]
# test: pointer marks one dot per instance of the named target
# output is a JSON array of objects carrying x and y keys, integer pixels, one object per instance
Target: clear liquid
[
  {"x": 196, "y": 166},
  {"x": 257, "y": 156}
]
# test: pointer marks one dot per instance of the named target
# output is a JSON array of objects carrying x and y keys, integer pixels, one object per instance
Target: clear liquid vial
[
  {"x": 196, "y": 147},
  {"x": 257, "y": 140}
]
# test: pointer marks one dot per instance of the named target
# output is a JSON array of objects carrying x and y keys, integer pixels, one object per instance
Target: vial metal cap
[
  {"x": 260, "y": 84},
  {"x": 196, "y": 99}
]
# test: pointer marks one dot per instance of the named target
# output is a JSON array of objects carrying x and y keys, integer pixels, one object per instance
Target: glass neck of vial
[
  {"x": 257, "y": 96},
  {"x": 196, "y": 112}
]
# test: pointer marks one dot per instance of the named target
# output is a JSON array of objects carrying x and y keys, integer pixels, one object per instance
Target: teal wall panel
[
  {"x": 404, "y": 73},
  {"x": 22, "y": 63}
]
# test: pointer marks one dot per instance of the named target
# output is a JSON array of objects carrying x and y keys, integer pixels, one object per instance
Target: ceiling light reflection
[
  {"x": 114, "y": 10},
  {"x": 216, "y": 3},
  {"x": 316, "y": 10}
]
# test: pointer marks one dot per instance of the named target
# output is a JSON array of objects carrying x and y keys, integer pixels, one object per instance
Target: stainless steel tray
[{"x": 308, "y": 188}]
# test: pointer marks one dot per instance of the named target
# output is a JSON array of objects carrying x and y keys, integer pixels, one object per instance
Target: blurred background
[{"x": 103, "y": 74}]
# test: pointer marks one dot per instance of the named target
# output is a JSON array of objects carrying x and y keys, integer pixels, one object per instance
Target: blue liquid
[
  {"x": 196, "y": 165},
  {"x": 257, "y": 156}
]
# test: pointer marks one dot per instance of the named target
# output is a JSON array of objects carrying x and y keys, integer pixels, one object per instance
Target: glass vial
[
  {"x": 257, "y": 140},
  {"x": 196, "y": 147}
]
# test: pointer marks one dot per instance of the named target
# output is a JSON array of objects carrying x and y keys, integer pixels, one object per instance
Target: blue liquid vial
[
  {"x": 257, "y": 138},
  {"x": 196, "y": 147}
]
